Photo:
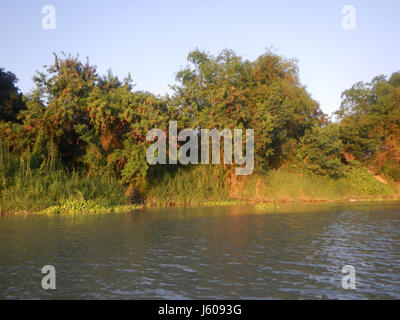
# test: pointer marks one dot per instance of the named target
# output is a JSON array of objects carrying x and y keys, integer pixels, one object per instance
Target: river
[{"x": 296, "y": 251}]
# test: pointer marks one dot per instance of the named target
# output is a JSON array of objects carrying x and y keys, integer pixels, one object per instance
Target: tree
[
  {"x": 226, "y": 91},
  {"x": 370, "y": 121},
  {"x": 321, "y": 151},
  {"x": 11, "y": 102}
]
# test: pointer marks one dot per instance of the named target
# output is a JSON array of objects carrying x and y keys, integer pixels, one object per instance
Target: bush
[
  {"x": 358, "y": 181},
  {"x": 321, "y": 150},
  {"x": 392, "y": 170}
]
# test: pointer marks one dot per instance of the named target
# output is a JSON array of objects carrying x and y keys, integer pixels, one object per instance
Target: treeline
[{"x": 77, "y": 120}]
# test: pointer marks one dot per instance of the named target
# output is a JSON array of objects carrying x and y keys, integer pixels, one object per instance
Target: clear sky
[{"x": 151, "y": 39}]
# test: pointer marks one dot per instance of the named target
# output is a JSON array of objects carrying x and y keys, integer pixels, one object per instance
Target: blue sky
[{"x": 151, "y": 39}]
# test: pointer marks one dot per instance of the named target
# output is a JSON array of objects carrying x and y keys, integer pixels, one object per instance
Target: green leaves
[
  {"x": 11, "y": 101},
  {"x": 370, "y": 120},
  {"x": 225, "y": 91},
  {"x": 321, "y": 151},
  {"x": 97, "y": 124}
]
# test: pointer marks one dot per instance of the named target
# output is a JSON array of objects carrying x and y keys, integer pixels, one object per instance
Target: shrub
[{"x": 321, "y": 151}]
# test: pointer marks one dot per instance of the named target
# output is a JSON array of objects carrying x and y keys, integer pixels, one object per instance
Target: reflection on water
[{"x": 296, "y": 251}]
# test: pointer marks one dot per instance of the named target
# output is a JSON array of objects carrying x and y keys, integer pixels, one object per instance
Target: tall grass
[
  {"x": 8, "y": 165},
  {"x": 207, "y": 183},
  {"x": 34, "y": 191},
  {"x": 23, "y": 189},
  {"x": 187, "y": 185},
  {"x": 356, "y": 183}
]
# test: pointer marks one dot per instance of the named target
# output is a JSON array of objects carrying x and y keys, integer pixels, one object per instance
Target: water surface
[{"x": 294, "y": 252}]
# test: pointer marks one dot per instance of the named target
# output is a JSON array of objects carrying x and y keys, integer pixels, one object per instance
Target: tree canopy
[
  {"x": 11, "y": 102},
  {"x": 370, "y": 122},
  {"x": 97, "y": 123}
]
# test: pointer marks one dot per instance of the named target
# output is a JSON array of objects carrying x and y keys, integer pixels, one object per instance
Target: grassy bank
[
  {"x": 207, "y": 184},
  {"x": 60, "y": 192}
]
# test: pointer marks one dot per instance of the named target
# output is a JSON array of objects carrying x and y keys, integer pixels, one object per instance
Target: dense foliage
[
  {"x": 370, "y": 123},
  {"x": 76, "y": 120},
  {"x": 11, "y": 102},
  {"x": 265, "y": 95}
]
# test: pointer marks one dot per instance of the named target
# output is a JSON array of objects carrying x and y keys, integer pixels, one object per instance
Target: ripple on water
[{"x": 223, "y": 253}]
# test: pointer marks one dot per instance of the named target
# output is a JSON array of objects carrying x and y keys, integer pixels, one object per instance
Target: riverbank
[
  {"x": 62, "y": 193},
  {"x": 208, "y": 184},
  {"x": 260, "y": 206}
]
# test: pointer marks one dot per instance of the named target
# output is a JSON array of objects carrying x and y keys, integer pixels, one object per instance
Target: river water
[{"x": 296, "y": 251}]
